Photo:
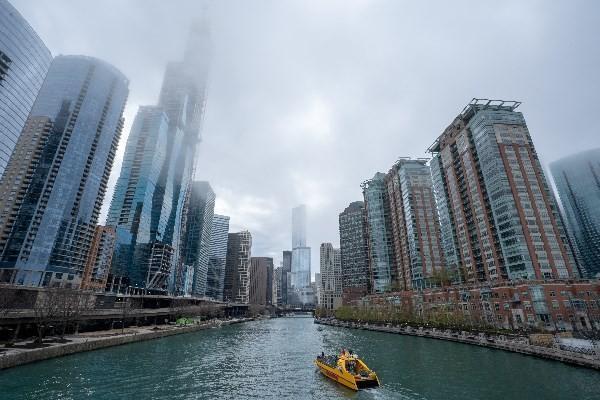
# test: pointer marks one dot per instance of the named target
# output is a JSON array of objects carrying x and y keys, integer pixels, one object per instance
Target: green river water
[{"x": 272, "y": 359}]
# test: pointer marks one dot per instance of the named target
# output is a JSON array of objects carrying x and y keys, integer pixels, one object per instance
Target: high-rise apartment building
[
  {"x": 261, "y": 280},
  {"x": 577, "y": 180},
  {"x": 24, "y": 62},
  {"x": 354, "y": 252},
  {"x": 130, "y": 210},
  {"x": 196, "y": 238},
  {"x": 277, "y": 279},
  {"x": 330, "y": 277},
  {"x": 415, "y": 226},
  {"x": 499, "y": 219},
  {"x": 237, "y": 267},
  {"x": 55, "y": 180},
  {"x": 286, "y": 275},
  {"x": 217, "y": 255},
  {"x": 382, "y": 262}
]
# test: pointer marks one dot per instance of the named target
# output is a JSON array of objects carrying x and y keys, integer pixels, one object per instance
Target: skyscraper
[
  {"x": 499, "y": 219},
  {"x": 382, "y": 263},
  {"x": 577, "y": 179},
  {"x": 286, "y": 275},
  {"x": 330, "y": 282},
  {"x": 354, "y": 254},
  {"x": 157, "y": 179},
  {"x": 54, "y": 184},
  {"x": 261, "y": 280},
  {"x": 130, "y": 210},
  {"x": 217, "y": 256},
  {"x": 300, "y": 252},
  {"x": 196, "y": 239},
  {"x": 415, "y": 226},
  {"x": 237, "y": 265},
  {"x": 24, "y": 62}
]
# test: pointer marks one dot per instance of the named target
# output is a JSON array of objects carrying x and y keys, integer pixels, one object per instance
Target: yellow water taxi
[{"x": 347, "y": 369}]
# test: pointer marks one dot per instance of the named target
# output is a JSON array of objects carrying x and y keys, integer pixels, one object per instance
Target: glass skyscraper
[
  {"x": 196, "y": 238},
  {"x": 354, "y": 254},
  {"x": 379, "y": 233},
  {"x": 54, "y": 183},
  {"x": 215, "y": 280},
  {"x": 499, "y": 218},
  {"x": 131, "y": 207},
  {"x": 577, "y": 179},
  {"x": 154, "y": 258},
  {"x": 24, "y": 62}
]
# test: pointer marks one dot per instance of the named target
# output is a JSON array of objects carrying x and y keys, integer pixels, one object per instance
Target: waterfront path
[
  {"x": 500, "y": 342},
  {"x": 53, "y": 347}
]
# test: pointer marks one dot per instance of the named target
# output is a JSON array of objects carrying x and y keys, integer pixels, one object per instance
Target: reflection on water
[{"x": 272, "y": 359}]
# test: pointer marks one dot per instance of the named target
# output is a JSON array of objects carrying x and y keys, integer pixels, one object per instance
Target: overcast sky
[{"x": 309, "y": 98}]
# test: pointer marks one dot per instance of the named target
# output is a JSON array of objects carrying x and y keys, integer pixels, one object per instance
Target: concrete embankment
[
  {"x": 13, "y": 357},
  {"x": 499, "y": 342}
]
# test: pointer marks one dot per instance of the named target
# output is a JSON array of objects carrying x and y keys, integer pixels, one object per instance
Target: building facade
[
  {"x": 237, "y": 267},
  {"x": 55, "y": 181},
  {"x": 24, "y": 62},
  {"x": 330, "y": 279},
  {"x": 97, "y": 267},
  {"x": 286, "y": 275},
  {"x": 217, "y": 255},
  {"x": 261, "y": 281},
  {"x": 130, "y": 210},
  {"x": 577, "y": 180},
  {"x": 197, "y": 235},
  {"x": 499, "y": 219},
  {"x": 415, "y": 226},
  {"x": 300, "y": 251},
  {"x": 354, "y": 252},
  {"x": 382, "y": 262}
]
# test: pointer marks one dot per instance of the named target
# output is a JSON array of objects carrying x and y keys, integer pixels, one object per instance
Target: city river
[{"x": 272, "y": 359}]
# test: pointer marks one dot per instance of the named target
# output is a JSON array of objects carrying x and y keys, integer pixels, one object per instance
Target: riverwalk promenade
[
  {"x": 21, "y": 354},
  {"x": 521, "y": 344}
]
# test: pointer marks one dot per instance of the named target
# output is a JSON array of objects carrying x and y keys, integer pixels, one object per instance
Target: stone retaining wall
[
  {"x": 495, "y": 342},
  {"x": 95, "y": 343}
]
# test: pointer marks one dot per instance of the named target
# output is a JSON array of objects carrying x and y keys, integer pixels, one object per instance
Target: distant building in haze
[
  {"x": 300, "y": 273},
  {"x": 577, "y": 179},
  {"x": 354, "y": 252},
  {"x": 499, "y": 219},
  {"x": 330, "y": 282},
  {"x": 52, "y": 189},
  {"x": 217, "y": 256},
  {"x": 24, "y": 62}
]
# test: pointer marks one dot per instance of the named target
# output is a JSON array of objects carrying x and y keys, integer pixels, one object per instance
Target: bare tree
[{"x": 46, "y": 309}]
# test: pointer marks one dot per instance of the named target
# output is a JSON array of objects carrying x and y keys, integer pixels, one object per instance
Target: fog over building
[
  {"x": 60, "y": 168},
  {"x": 24, "y": 62},
  {"x": 577, "y": 179}
]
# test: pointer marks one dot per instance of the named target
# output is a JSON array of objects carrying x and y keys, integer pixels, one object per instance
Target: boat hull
[{"x": 345, "y": 378}]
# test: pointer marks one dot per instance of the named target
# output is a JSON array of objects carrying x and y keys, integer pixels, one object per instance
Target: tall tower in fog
[
  {"x": 170, "y": 136},
  {"x": 300, "y": 274}
]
